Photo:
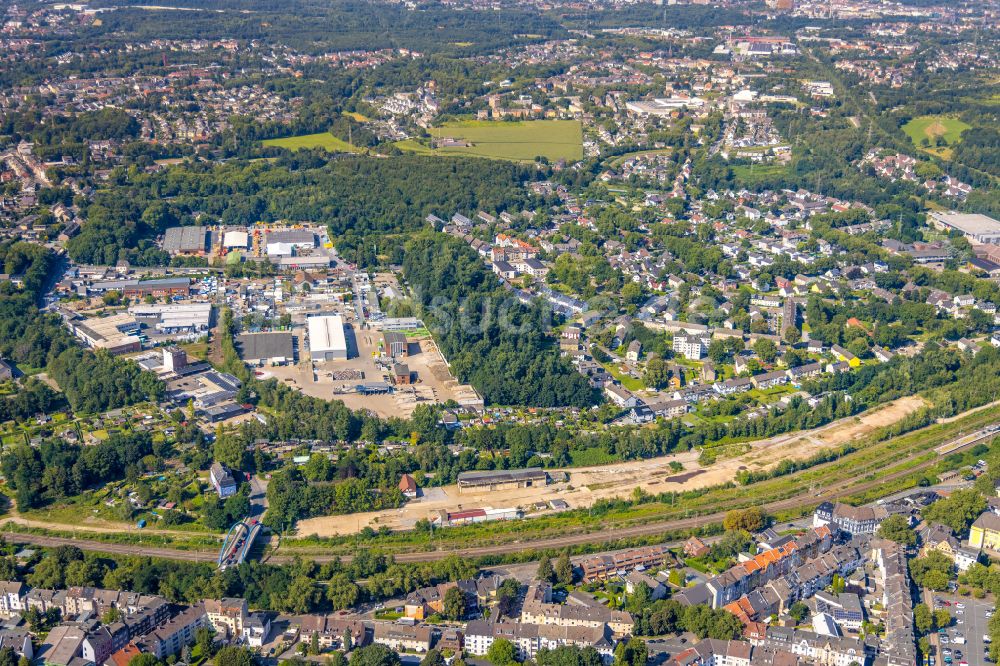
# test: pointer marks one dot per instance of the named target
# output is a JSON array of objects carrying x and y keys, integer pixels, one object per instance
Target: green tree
[
  {"x": 766, "y": 350},
  {"x": 933, "y": 571},
  {"x": 564, "y": 569},
  {"x": 454, "y": 604},
  {"x": 231, "y": 451},
  {"x": 897, "y": 528},
  {"x": 632, "y": 652},
  {"x": 342, "y": 592},
  {"x": 798, "y": 611},
  {"x": 656, "y": 375},
  {"x": 144, "y": 659},
  {"x": 750, "y": 519},
  {"x": 923, "y": 618},
  {"x": 49, "y": 573},
  {"x": 374, "y": 655},
  {"x": 501, "y": 653},
  {"x": 232, "y": 655},
  {"x": 303, "y": 595},
  {"x": 432, "y": 658},
  {"x": 957, "y": 511},
  {"x": 545, "y": 571},
  {"x": 204, "y": 640}
]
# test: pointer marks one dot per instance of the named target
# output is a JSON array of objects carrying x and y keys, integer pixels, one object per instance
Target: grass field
[
  {"x": 323, "y": 140},
  {"x": 757, "y": 173},
  {"x": 931, "y": 127},
  {"x": 518, "y": 141}
]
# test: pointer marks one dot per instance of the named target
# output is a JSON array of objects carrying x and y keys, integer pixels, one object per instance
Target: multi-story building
[
  {"x": 817, "y": 649},
  {"x": 403, "y": 637},
  {"x": 844, "y": 608},
  {"x": 528, "y": 639},
  {"x": 331, "y": 630},
  {"x": 228, "y": 616},
  {"x": 222, "y": 480},
  {"x": 12, "y": 595},
  {"x": 985, "y": 532},
  {"x": 177, "y": 632},
  {"x": 602, "y": 567},
  {"x": 256, "y": 629},
  {"x": 572, "y": 615},
  {"x": 692, "y": 347},
  {"x": 850, "y": 519}
]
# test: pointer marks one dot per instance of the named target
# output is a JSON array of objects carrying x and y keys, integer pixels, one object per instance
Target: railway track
[{"x": 604, "y": 534}]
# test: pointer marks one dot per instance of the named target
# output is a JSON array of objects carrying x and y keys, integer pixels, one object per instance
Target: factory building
[
  {"x": 236, "y": 240},
  {"x": 327, "y": 341},
  {"x": 116, "y": 333},
  {"x": 178, "y": 319},
  {"x": 266, "y": 348},
  {"x": 185, "y": 240},
  {"x": 501, "y": 479},
  {"x": 396, "y": 345}
]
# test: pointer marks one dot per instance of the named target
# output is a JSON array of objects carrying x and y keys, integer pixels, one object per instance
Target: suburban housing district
[{"x": 468, "y": 333}]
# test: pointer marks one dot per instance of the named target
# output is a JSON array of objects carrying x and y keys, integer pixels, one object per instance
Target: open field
[
  {"x": 590, "y": 484},
  {"x": 932, "y": 127},
  {"x": 755, "y": 173},
  {"x": 519, "y": 141},
  {"x": 323, "y": 140}
]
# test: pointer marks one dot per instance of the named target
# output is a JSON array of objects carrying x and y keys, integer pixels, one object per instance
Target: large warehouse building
[
  {"x": 327, "y": 341},
  {"x": 471, "y": 482},
  {"x": 266, "y": 348},
  {"x": 185, "y": 240},
  {"x": 980, "y": 228}
]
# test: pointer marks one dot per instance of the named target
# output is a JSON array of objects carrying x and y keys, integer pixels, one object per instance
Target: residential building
[
  {"x": 691, "y": 347},
  {"x": 403, "y": 637},
  {"x": 850, "y": 519},
  {"x": 227, "y": 616},
  {"x": 602, "y": 567},
  {"x": 985, "y": 532},
  {"x": 222, "y": 480},
  {"x": 179, "y": 631}
]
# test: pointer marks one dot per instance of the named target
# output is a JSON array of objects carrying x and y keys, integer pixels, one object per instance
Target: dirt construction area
[{"x": 586, "y": 485}]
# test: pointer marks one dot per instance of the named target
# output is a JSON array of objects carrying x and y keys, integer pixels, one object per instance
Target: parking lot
[{"x": 970, "y": 620}]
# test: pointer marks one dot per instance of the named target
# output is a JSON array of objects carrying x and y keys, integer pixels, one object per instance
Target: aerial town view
[{"x": 499, "y": 333}]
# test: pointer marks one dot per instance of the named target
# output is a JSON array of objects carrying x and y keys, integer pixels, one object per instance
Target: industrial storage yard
[{"x": 339, "y": 378}]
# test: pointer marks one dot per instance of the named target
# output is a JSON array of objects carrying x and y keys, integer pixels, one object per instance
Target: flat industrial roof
[
  {"x": 185, "y": 239},
  {"x": 501, "y": 475},
  {"x": 236, "y": 239},
  {"x": 264, "y": 345},
  {"x": 326, "y": 333},
  {"x": 970, "y": 223},
  {"x": 294, "y": 236}
]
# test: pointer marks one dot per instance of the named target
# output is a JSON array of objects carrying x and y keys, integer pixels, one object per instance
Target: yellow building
[{"x": 985, "y": 532}]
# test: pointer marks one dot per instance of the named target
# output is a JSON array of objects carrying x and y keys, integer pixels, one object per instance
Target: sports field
[
  {"x": 521, "y": 141},
  {"x": 323, "y": 140},
  {"x": 931, "y": 127}
]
